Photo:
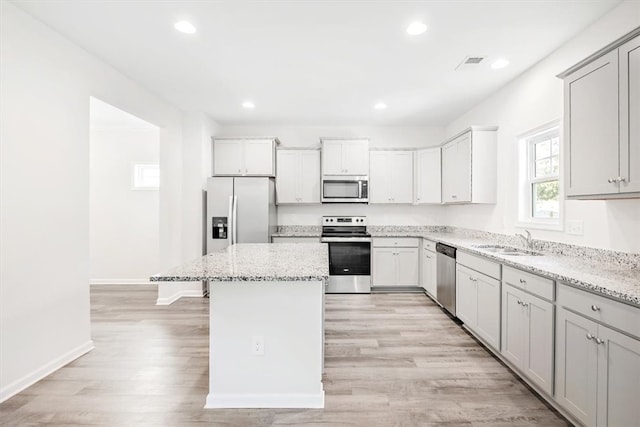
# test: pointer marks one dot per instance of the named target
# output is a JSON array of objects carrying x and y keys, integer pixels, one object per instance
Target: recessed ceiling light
[
  {"x": 499, "y": 63},
  {"x": 416, "y": 28},
  {"x": 380, "y": 106},
  {"x": 248, "y": 105},
  {"x": 185, "y": 27}
]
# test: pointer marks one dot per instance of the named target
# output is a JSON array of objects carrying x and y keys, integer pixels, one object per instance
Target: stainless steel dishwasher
[{"x": 446, "y": 277}]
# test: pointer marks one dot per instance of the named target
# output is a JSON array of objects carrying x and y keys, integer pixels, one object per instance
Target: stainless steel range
[{"x": 349, "y": 254}]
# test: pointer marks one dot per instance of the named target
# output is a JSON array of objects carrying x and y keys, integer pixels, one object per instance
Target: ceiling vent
[{"x": 470, "y": 62}]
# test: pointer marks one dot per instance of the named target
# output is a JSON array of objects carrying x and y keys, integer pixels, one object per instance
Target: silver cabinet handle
[
  {"x": 599, "y": 341},
  {"x": 519, "y": 302},
  {"x": 611, "y": 180},
  {"x": 525, "y": 304},
  {"x": 589, "y": 336},
  {"x": 595, "y": 308},
  {"x": 522, "y": 281},
  {"x": 620, "y": 179},
  {"x": 453, "y": 196},
  {"x": 239, "y": 170}
]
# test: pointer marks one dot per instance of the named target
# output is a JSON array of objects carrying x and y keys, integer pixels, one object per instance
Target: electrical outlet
[
  {"x": 257, "y": 345},
  {"x": 575, "y": 227}
]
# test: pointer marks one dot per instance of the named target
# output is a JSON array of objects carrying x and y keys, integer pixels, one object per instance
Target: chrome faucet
[{"x": 526, "y": 240}]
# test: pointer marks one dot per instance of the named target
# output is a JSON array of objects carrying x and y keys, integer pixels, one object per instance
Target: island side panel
[{"x": 289, "y": 318}]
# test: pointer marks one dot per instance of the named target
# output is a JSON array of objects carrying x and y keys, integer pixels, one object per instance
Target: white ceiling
[{"x": 320, "y": 62}]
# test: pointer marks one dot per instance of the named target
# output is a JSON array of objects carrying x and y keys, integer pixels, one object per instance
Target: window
[
  {"x": 540, "y": 191},
  {"x": 146, "y": 176}
]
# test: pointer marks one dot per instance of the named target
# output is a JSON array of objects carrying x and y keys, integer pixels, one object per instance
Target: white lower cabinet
[
  {"x": 527, "y": 335},
  {"x": 395, "y": 262},
  {"x": 428, "y": 277},
  {"x": 597, "y": 372},
  {"x": 478, "y": 304}
]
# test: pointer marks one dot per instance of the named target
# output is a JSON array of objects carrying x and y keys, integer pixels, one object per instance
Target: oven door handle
[{"x": 345, "y": 240}]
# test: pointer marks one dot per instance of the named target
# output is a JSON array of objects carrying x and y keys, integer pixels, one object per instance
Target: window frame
[
  {"x": 136, "y": 172},
  {"x": 527, "y": 178}
]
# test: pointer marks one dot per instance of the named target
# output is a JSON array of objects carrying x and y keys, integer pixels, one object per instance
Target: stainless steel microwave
[{"x": 345, "y": 189}]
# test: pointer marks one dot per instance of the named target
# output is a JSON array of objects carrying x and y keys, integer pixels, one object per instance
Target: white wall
[
  {"x": 46, "y": 82},
  {"x": 124, "y": 222},
  {"x": 533, "y": 99},
  {"x": 380, "y": 137}
]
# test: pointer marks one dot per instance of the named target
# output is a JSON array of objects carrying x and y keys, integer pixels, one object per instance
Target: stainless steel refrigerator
[{"x": 240, "y": 210}]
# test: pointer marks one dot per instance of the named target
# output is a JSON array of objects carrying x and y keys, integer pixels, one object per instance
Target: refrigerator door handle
[
  {"x": 235, "y": 219},
  {"x": 230, "y": 222}
]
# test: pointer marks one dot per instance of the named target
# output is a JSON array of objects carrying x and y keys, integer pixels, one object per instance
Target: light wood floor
[{"x": 391, "y": 360}]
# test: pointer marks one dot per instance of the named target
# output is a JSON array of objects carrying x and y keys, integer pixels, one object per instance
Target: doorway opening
[{"x": 124, "y": 196}]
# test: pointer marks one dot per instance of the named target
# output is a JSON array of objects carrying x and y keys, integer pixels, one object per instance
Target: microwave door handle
[{"x": 359, "y": 189}]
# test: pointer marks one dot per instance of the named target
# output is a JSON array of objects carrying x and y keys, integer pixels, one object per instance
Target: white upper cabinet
[
  {"x": 428, "y": 179},
  {"x": 391, "y": 177},
  {"x": 469, "y": 166},
  {"x": 244, "y": 157},
  {"x": 298, "y": 177},
  {"x": 345, "y": 157},
  {"x": 602, "y": 123}
]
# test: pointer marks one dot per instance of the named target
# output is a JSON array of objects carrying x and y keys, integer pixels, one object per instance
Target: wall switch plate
[
  {"x": 575, "y": 227},
  {"x": 257, "y": 345}
]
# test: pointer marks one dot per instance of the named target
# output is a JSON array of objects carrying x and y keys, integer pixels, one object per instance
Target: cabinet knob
[
  {"x": 522, "y": 281},
  {"x": 239, "y": 170},
  {"x": 589, "y": 336},
  {"x": 595, "y": 308},
  {"x": 611, "y": 180},
  {"x": 599, "y": 341},
  {"x": 620, "y": 179},
  {"x": 454, "y": 196}
]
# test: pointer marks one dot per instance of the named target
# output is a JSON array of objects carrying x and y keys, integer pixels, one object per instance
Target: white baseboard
[
  {"x": 175, "y": 297},
  {"x": 35, "y": 376},
  {"x": 265, "y": 400},
  {"x": 120, "y": 282}
]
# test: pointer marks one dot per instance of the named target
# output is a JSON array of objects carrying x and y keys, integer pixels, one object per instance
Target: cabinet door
[
  {"x": 402, "y": 177},
  {"x": 462, "y": 189},
  {"x": 591, "y": 134},
  {"x": 429, "y": 272},
  {"x": 448, "y": 172},
  {"x": 332, "y": 158},
  {"x": 384, "y": 268},
  {"x": 288, "y": 176},
  {"x": 258, "y": 157},
  {"x": 618, "y": 379},
  {"x": 630, "y": 116},
  {"x": 355, "y": 157},
  {"x": 576, "y": 365},
  {"x": 488, "y": 310},
  {"x": 428, "y": 176},
  {"x": 227, "y": 157},
  {"x": 309, "y": 176},
  {"x": 513, "y": 325},
  {"x": 538, "y": 362},
  {"x": 380, "y": 177},
  {"x": 466, "y": 297},
  {"x": 408, "y": 260}
]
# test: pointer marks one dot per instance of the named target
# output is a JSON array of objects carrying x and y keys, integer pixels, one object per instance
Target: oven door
[{"x": 349, "y": 258}]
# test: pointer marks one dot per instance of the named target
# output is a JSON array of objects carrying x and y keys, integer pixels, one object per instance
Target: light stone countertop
[
  {"x": 285, "y": 262},
  {"x": 614, "y": 280}
]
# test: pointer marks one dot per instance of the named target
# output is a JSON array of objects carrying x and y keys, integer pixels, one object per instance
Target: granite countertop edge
[{"x": 218, "y": 278}]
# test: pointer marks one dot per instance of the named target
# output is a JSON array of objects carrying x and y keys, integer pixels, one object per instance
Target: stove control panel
[{"x": 344, "y": 220}]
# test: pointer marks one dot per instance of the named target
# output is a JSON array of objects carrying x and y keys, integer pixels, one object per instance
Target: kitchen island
[{"x": 265, "y": 323}]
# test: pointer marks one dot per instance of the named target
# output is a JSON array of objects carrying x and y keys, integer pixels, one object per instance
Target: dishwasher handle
[{"x": 447, "y": 250}]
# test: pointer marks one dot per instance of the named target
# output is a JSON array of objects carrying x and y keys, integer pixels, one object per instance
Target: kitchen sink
[{"x": 507, "y": 250}]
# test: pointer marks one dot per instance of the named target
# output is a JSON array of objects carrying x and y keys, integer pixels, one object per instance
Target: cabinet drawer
[
  {"x": 537, "y": 285},
  {"x": 621, "y": 316},
  {"x": 429, "y": 245},
  {"x": 483, "y": 265},
  {"x": 395, "y": 242}
]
